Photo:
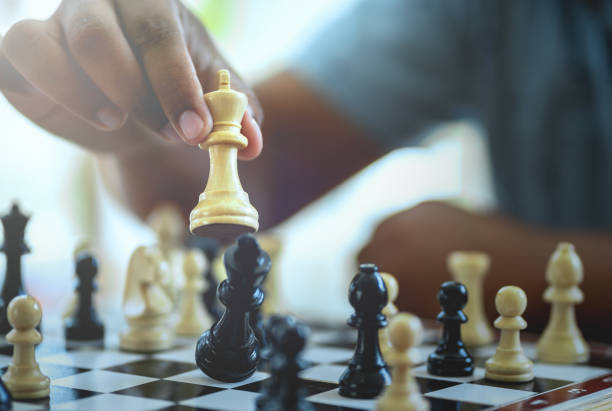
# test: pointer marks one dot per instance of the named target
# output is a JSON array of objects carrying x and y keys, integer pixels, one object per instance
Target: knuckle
[
  {"x": 87, "y": 36},
  {"x": 153, "y": 31},
  {"x": 19, "y": 36}
]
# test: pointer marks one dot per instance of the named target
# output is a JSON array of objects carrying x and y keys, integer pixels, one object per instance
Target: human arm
[{"x": 414, "y": 245}]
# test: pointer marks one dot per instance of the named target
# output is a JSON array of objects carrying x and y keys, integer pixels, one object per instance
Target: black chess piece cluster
[
  {"x": 451, "y": 358},
  {"x": 284, "y": 390},
  {"x": 229, "y": 350},
  {"x": 14, "y": 247},
  {"x": 85, "y": 325},
  {"x": 367, "y": 373}
]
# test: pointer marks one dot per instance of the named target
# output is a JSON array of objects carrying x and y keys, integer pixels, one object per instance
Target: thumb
[{"x": 10, "y": 79}]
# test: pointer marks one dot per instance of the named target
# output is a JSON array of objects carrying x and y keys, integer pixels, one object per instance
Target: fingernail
[
  {"x": 110, "y": 117},
  {"x": 191, "y": 125},
  {"x": 169, "y": 133}
]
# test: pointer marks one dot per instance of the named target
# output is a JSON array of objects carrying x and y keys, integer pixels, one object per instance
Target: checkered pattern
[{"x": 96, "y": 378}]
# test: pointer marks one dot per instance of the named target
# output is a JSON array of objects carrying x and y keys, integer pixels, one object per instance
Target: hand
[{"x": 119, "y": 76}]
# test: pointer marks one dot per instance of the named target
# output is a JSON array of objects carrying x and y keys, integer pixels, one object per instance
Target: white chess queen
[{"x": 147, "y": 302}]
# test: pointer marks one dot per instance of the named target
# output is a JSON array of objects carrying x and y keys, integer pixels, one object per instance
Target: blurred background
[{"x": 58, "y": 185}]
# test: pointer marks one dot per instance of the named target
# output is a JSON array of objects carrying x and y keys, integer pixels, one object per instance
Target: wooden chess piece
[
  {"x": 451, "y": 359},
  {"x": 509, "y": 363},
  {"x": 229, "y": 350},
  {"x": 169, "y": 225},
  {"x": 367, "y": 373},
  {"x": 470, "y": 268},
  {"x": 84, "y": 323},
  {"x": 23, "y": 378},
  {"x": 389, "y": 312},
  {"x": 562, "y": 341},
  {"x": 405, "y": 334},
  {"x": 146, "y": 304},
  {"x": 285, "y": 390},
  {"x": 14, "y": 247},
  {"x": 224, "y": 210},
  {"x": 193, "y": 319}
]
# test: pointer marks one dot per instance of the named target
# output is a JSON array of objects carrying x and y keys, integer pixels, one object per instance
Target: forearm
[{"x": 414, "y": 245}]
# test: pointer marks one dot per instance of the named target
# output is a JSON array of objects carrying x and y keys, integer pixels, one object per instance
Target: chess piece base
[
  {"x": 146, "y": 339},
  {"x": 520, "y": 370},
  {"x": 562, "y": 349},
  {"x": 477, "y": 335},
  {"x": 449, "y": 365},
  {"x": 355, "y": 383},
  {"x": 214, "y": 359},
  {"x": 78, "y": 332},
  {"x": 32, "y": 387},
  {"x": 414, "y": 402}
]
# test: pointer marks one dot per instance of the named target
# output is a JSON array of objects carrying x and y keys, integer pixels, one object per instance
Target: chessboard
[{"x": 90, "y": 377}]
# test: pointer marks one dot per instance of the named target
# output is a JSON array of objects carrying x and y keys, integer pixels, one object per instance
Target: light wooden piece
[
  {"x": 470, "y": 268},
  {"x": 390, "y": 310},
  {"x": 405, "y": 334},
  {"x": 273, "y": 303},
  {"x": 562, "y": 341},
  {"x": 169, "y": 225},
  {"x": 193, "y": 319},
  {"x": 509, "y": 363},
  {"x": 224, "y": 210},
  {"x": 23, "y": 378},
  {"x": 146, "y": 304}
]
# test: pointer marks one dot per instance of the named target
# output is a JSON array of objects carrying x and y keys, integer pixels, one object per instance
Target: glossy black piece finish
[
  {"x": 284, "y": 390},
  {"x": 85, "y": 325},
  {"x": 451, "y": 358},
  {"x": 367, "y": 373},
  {"x": 229, "y": 351},
  {"x": 210, "y": 247},
  {"x": 14, "y": 247}
]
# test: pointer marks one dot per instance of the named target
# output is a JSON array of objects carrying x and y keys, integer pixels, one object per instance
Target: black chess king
[
  {"x": 229, "y": 351},
  {"x": 14, "y": 247}
]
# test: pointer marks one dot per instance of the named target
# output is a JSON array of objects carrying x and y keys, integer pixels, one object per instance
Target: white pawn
[
  {"x": 147, "y": 304},
  {"x": 405, "y": 333},
  {"x": 562, "y": 341},
  {"x": 509, "y": 363},
  {"x": 470, "y": 268},
  {"x": 23, "y": 378},
  {"x": 390, "y": 310},
  {"x": 193, "y": 319}
]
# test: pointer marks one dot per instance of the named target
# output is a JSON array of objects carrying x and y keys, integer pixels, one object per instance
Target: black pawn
[
  {"x": 85, "y": 325},
  {"x": 229, "y": 351},
  {"x": 367, "y": 373},
  {"x": 284, "y": 390},
  {"x": 14, "y": 247},
  {"x": 210, "y": 247},
  {"x": 451, "y": 359}
]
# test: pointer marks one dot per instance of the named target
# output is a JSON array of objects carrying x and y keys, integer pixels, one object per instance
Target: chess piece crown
[{"x": 224, "y": 210}]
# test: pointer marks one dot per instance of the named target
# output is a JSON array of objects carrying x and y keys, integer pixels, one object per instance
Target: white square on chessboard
[
  {"x": 563, "y": 372},
  {"x": 182, "y": 355},
  {"x": 333, "y": 397},
  {"x": 480, "y": 394},
  {"x": 422, "y": 373},
  {"x": 198, "y": 377},
  {"x": 322, "y": 355},
  {"x": 24, "y": 406},
  {"x": 325, "y": 373},
  {"x": 226, "y": 400},
  {"x": 105, "y": 402},
  {"x": 91, "y": 359},
  {"x": 101, "y": 381}
]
